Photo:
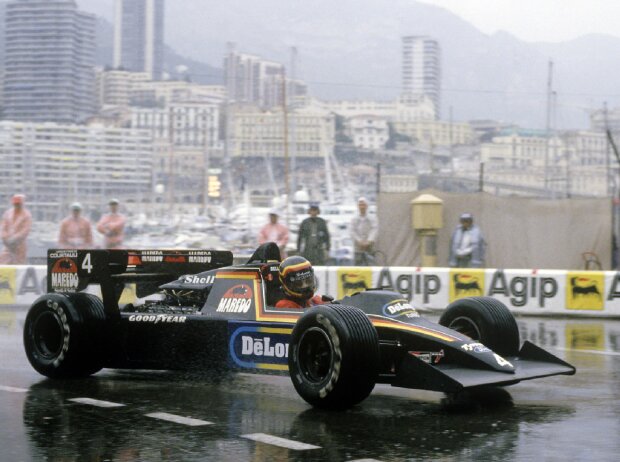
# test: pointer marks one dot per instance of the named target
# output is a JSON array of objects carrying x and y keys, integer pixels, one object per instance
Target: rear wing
[{"x": 74, "y": 270}]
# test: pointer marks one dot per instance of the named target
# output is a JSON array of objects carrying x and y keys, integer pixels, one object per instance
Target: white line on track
[
  {"x": 594, "y": 352},
  {"x": 13, "y": 389},
  {"x": 95, "y": 402},
  {"x": 365, "y": 460},
  {"x": 277, "y": 441},
  {"x": 178, "y": 419}
]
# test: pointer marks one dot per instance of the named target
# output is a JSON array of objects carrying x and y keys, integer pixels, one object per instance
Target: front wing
[{"x": 531, "y": 363}]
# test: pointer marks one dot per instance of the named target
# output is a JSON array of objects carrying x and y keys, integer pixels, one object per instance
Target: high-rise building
[
  {"x": 254, "y": 80},
  {"x": 422, "y": 68},
  {"x": 251, "y": 79},
  {"x": 139, "y": 36},
  {"x": 49, "y": 62}
]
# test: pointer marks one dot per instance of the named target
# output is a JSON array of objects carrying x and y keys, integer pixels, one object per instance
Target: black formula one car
[{"x": 209, "y": 315}]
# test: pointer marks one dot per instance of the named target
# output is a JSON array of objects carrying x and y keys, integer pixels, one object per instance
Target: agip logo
[
  {"x": 584, "y": 291},
  {"x": 466, "y": 283},
  {"x": 353, "y": 280},
  {"x": 7, "y": 286}
]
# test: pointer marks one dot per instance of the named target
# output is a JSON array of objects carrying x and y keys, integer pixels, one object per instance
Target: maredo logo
[
  {"x": 64, "y": 274},
  {"x": 237, "y": 299}
]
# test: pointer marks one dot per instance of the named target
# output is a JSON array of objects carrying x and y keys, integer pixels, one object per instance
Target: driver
[{"x": 298, "y": 283}]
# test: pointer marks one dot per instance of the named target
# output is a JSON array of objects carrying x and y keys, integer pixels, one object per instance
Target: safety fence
[{"x": 532, "y": 292}]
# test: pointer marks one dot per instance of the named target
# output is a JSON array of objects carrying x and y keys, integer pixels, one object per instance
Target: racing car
[{"x": 200, "y": 311}]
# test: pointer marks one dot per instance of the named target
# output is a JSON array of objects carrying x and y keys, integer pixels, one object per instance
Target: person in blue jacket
[{"x": 467, "y": 244}]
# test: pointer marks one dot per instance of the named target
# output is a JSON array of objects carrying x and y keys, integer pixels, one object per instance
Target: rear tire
[
  {"x": 485, "y": 320},
  {"x": 334, "y": 356},
  {"x": 63, "y": 335}
]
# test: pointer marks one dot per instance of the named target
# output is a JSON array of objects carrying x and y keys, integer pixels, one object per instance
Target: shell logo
[{"x": 584, "y": 291}]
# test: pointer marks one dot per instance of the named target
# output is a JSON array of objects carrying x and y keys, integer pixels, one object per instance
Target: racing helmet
[{"x": 297, "y": 277}]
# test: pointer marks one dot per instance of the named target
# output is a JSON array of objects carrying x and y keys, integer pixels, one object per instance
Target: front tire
[
  {"x": 485, "y": 320},
  {"x": 62, "y": 335},
  {"x": 334, "y": 358}
]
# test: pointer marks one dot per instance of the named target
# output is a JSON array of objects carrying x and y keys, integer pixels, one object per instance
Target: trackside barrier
[{"x": 533, "y": 292}]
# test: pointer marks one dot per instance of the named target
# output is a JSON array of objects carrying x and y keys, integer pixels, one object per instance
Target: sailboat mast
[
  {"x": 287, "y": 187},
  {"x": 548, "y": 123}
]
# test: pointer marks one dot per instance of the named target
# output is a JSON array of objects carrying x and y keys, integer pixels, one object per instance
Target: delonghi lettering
[{"x": 263, "y": 347}]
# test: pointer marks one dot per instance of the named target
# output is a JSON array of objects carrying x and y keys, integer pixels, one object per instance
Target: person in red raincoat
[
  {"x": 16, "y": 224},
  {"x": 75, "y": 230},
  {"x": 274, "y": 232},
  {"x": 112, "y": 226}
]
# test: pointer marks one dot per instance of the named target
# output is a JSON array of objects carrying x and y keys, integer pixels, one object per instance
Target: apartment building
[{"x": 56, "y": 164}]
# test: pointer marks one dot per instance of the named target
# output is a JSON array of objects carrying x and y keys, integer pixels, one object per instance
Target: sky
[{"x": 528, "y": 20}]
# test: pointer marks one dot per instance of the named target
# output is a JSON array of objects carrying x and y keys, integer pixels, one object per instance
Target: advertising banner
[{"x": 523, "y": 291}]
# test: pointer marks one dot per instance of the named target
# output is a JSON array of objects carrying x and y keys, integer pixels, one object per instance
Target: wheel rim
[
  {"x": 466, "y": 326},
  {"x": 48, "y": 335},
  {"x": 315, "y": 354}
]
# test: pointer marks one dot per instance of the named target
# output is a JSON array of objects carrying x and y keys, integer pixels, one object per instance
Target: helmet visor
[{"x": 302, "y": 282}]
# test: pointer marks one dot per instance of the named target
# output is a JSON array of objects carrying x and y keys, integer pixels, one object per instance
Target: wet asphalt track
[{"x": 153, "y": 416}]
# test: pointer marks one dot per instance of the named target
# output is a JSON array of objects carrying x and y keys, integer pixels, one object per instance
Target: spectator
[
  {"x": 112, "y": 226},
  {"x": 274, "y": 232},
  {"x": 75, "y": 230},
  {"x": 16, "y": 224},
  {"x": 363, "y": 233},
  {"x": 313, "y": 238},
  {"x": 467, "y": 244}
]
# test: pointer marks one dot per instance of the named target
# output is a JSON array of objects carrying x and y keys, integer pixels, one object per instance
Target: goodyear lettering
[
  {"x": 409, "y": 285},
  {"x": 157, "y": 318},
  {"x": 66, "y": 331},
  {"x": 263, "y": 347},
  {"x": 519, "y": 288},
  {"x": 65, "y": 280},
  {"x": 234, "y": 305}
]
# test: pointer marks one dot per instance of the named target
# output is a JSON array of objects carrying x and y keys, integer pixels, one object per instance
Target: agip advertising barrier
[{"x": 533, "y": 292}]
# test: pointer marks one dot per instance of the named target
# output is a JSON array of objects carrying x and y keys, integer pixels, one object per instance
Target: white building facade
[{"x": 56, "y": 164}]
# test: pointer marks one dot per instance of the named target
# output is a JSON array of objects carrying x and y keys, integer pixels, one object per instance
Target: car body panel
[{"x": 215, "y": 316}]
